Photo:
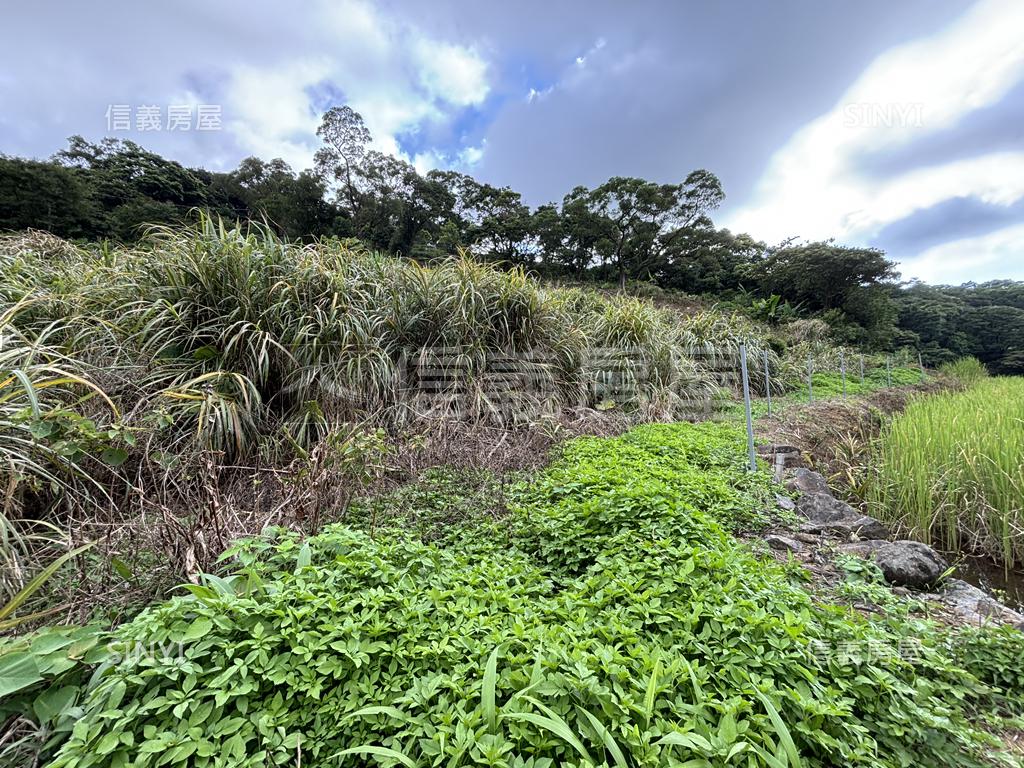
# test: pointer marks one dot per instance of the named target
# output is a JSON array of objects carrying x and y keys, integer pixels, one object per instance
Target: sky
[{"x": 897, "y": 125}]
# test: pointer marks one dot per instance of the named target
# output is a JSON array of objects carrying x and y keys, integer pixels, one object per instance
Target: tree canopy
[{"x": 624, "y": 229}]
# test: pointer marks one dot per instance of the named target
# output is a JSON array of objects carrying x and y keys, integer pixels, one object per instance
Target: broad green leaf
[
  {"x": 382, "y": 752},
  {"x": 198, "y": 628},
  {"x": 18, "y": 670}
]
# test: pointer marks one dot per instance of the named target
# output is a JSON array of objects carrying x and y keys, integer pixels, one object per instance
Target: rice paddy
[{"x": 951, "y": 470}]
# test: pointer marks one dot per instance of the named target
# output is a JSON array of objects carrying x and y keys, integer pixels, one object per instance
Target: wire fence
[{"x": 864, "y": 369}]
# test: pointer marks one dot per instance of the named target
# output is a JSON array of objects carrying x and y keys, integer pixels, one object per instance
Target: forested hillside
[{"x": 626, "y": 229}]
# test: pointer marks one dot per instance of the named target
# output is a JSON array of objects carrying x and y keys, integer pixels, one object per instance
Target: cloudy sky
[{"x": 893, "y": 124}]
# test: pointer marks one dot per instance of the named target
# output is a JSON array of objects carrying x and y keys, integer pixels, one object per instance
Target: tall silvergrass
[
  {"x": 713, "y": 338},
  {"x": 37, "y": 382},
  {"x": 966, "y": 370},
  {"x": 951, "y": 469},
  {"x": 238, "y": 340}
]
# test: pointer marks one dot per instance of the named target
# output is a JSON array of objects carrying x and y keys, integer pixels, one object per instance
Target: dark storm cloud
[
  {"x": 997, "y": 128},
  {"x": 675, "y": 86},
  {"x": 956, "y": 219}
]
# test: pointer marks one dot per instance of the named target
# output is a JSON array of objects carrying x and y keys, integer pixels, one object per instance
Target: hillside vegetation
[
  {"x": 219, "y": 407},
  {"x": 623, "y": 229},
  {"x": 611, "y": 619},
  {"x": 170, "y": 397}
]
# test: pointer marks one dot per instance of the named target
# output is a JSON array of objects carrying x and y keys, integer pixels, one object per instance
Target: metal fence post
[
  {"x": 746, "y": 407},
  {"x": 862, "y": 369},
  {"x": 920, "y": 364},
  {"x": 888, "y": 371},
  {"x": 810, "y": 382},
  {"x": 842, "y": 369},
  {"x": 767, "y": 382}
]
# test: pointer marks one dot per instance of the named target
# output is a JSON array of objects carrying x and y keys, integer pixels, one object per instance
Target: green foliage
[
  {"x": 995, "y": 656},
  {"x": 967, "y": 370},
  {"x": 43, "y": 678},
  {"x": 875, "y": 378},
  {"x": 985, "y": 320},
  {"x": 625, "y": 228},
  {"x": 444, "y": 504},
  {"x": 611, "y": 620},
  {"x": 633, "y": 224},
  {"x": 951, "y": 469},
  {"x": 7, "y": 610},
  {"x": 50, "y": 451},
  {"x": 847, "y": 284},
  {"x": 238, "y": 342}
]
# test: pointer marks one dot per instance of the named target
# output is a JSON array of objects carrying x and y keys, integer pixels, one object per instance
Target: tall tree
[
  {"x": 133, "y": 187},
  {"x": 38, "y": 195},
  {"x": 295, "y": 205},
  {"x": 708, "y": 260},
  {"x": 504, "y": 228},
  {"x": 850, "y": 285},
  {"x": 647, "y": 218},
  {"x": 345, "y": 138}
]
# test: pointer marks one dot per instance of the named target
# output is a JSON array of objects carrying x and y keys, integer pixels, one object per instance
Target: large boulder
[
  {"x": 910, "y": 564},
  {"x": 806, "y": 481},
  {"x": 859, "y": 526},
  {"x": 975, "y": 605},
  {"x": 823, "y": 507}
]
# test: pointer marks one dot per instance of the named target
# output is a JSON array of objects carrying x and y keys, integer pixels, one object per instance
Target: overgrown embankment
[
  {"x": 167, "y": 399},
  {"x": 609, "y": 619},
  {"x": 836, "y": 434}
]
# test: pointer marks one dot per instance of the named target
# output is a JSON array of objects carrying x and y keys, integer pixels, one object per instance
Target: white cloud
[
  {"x": 998, "y": 254},
  {"x": 271, "y": 114},
  {"x": 452, "y": 73},
  {"x": 813, "y": 188},
  {"x": 273, "y": 72},
  {"x": 464, "y": 159},
  {"x": 395, "y": 76},
  {"x": 470, "y": 156}
]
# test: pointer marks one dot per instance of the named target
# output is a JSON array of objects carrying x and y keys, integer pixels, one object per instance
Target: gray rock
[
  {"x": 771, "y": 448},
  {"x": 806, "y": 481},
  {"x": 861, "y": 526},
  {"x": 806, "y": 538},
  {"x": 784, "y": 502},
  {"x": 824, "y": 507},
  {"x": 784, "y": 543},
  {"x": 975, "y": 605},
  {"x": 863, "y": 549},
  {"x": 781, "y": 455},
  {"x": 910, "y": 564}
]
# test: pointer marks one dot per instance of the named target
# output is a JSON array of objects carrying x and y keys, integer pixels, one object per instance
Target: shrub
[{"x": 230, "y": 338}]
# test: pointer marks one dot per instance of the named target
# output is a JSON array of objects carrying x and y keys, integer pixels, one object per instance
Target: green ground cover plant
[{"x": 610, "y": 618}]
